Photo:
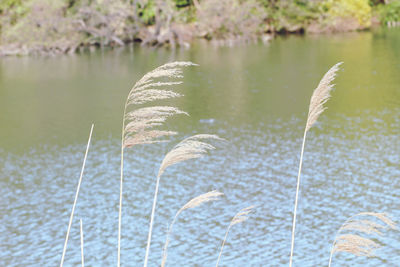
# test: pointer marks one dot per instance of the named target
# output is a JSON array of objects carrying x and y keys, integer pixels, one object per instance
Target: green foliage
[
  {"x": 390, "y": 12},
  {"x": 182, "y": 3},
  {"x": 291, "y": 16},
  {"x": 39, "y": 22},
  {"x": 147, "y": 12},
  {"x": 376, "y": 2},
  {"x": 73, "y": 23},
  {"x": 12, "y": 10},
  {"x": 359, "y": 9},
  {"x": 7, "y": 4}
]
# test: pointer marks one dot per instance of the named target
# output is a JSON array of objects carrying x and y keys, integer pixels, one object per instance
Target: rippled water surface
[{"x": 254, "y": 96}]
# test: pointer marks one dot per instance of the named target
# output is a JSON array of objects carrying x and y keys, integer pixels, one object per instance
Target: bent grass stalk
[
  {"x": 195, "y": 202},
  {"x": 138, "y": 124},
  {"x": 241, "y": 216},
  {"x": 189, "y": 148},
  {"x": 319, "y": 97},
  {"x": 356, "y": 244},
  {"x": 76, "y": 197}
]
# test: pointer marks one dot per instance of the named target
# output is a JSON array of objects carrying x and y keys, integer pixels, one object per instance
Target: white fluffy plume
[
  {"x": 355, "y": 243},
  {"x": 155, "y": 85},
  {"x": 189, "y": 148},
  {"x": 320, "y": 95}
]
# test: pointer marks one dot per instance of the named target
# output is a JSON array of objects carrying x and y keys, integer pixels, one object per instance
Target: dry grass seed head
[
  {"x": 169, "y": 70},
  {"x": 148, "y": 117},
  {"x": 241, "y": 216},
  {"x": 384, "y": 217},
  {"x": 195, "y": 202},
  {"x": 365, "y": 226},
  {"x": 148, "y": 137},
  {"x": 358, "y": 245},
  {"x": 189, "y": 148},
  {"x": 355, "y": 244},
  {"x": 140, "y": 121},
  {"x": 320, "y": 95},
  {"x": 142, "y": 97},
  {"x": 147, "y": 89}
]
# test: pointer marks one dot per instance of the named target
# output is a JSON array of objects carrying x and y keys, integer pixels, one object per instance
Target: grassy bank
[{"x": 65, "y": 26}]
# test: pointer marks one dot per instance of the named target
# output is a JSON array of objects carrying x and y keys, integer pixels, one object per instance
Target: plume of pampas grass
[
  {"x": 82, "y": 256},
  {"x": 141, "y": 120},
  {"x": 138, "y": 124},
  {"x": 76, "y": 196},
  {"x": 189, "y": 148},
  {"x": 193, "y": 203},
  {"x": 319, "y": 97},
  {"x": 356, "y": 244},
  {"x": 241, "y": 216}
]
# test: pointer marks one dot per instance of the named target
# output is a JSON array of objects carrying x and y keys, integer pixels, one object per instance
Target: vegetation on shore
[{"x": 65, "y": 26}]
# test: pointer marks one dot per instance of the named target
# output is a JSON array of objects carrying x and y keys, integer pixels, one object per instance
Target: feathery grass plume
[
  {"x": 76, "y": 196},
  {"x": 138, "y": 124},
  {"x": 195, "y": 202},
  {"x": 241, "y": 216},
  {"x": 319, "y": 97},
  {"x": 356, "y": 244},
  {"x": 189, "y": 148},
  {"x": 142, "y": 119},
  {"x": 82, "y": 256}
]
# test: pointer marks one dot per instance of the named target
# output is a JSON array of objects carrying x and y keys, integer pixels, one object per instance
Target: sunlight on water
[{"x": 254, "y": 96}]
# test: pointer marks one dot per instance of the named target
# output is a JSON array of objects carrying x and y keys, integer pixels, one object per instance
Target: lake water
[{"x": 255, "y": 96}]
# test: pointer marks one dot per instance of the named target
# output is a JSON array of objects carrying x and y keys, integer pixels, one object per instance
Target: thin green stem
[
  {"x": 297, "y": 196},
  {"x": 223, "y": 244},
  {"x": 76, "y": 197}
]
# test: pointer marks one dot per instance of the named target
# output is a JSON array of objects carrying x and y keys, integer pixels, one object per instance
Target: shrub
[
  {"x": 389, "y": 12},
  {"x": 359, "y": 9},
  {"x": 59, "y": 26},
  {"x": 230, "y": 19},
  {"x": 291, "y": 16},
  {"x": 36, "y": 23}
]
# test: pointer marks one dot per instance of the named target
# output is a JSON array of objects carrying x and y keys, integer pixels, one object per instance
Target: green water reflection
[
  {"x": 52, "y": 100},
  {"x": 256, "y": 96}
]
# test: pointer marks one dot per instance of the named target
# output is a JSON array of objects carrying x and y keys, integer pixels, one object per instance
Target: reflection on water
[{"x": 254, "y": 96}]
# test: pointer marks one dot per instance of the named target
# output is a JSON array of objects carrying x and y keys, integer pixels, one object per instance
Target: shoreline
[
  {"x": 16, "y": 50},
  {"x": 50, "y": 27}
]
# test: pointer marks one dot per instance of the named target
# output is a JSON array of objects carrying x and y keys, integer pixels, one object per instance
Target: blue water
[{"x": 254, "y": 96}]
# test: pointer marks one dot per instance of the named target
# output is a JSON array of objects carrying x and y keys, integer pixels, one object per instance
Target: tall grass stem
[
  {"x": 240, "y": 217},
  {"x": 76, "y": 197},
  {"x": 297, "y": 197},
  {"x": 319, "y": 97},
  {"x": 120, "y": 186},
  {"x": 146, "y": 258},
  {"x": 195, "y": 202},
  {"x": 223, "y": 244}
]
